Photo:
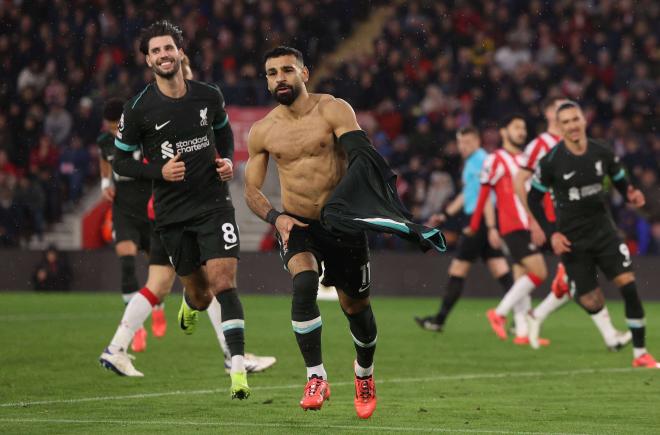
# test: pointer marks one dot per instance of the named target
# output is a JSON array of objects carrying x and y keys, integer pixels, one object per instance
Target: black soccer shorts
[
  {"x": 128, "y": 227},
  {"x": 472, "y": 247},
  {"x": 345, "y": 257},
  {"x": 518, "y": 245},
  {"x": 603, "y": 248},
  {"x": 192, "y": 243},
  {"x": 157, "y": 252}
]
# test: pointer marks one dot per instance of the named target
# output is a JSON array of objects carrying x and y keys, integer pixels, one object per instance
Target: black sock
[
  {"x": 506, "y": 281},
  {"x": 306, "y": 317},
  {"x": 364, "y": 332},
  {"x": 233, "y": 324},
  {"x": 454, "y": 290},
  {"x": 129, "y": 282},
  {"x": 634, "y": 314}
]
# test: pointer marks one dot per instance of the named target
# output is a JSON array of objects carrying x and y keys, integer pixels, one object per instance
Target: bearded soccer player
[
  {"x": 131, "y": 226},
  {"x": 586, "y": 237},
  {"x": 529, "y": 268},
  {"x": 180, "y": 124},
  {"x": 306, "y": 135},
  {"x": 534, "y": 152}
]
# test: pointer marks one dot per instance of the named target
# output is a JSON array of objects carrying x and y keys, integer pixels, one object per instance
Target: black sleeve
[
  {"x": 224, "y": 142},
  {"x": 224, "y": 137},
  {"x": 124, "y": 164},
  {"x": 617, "y": 173},
  {"x": 535, "y": 202}
]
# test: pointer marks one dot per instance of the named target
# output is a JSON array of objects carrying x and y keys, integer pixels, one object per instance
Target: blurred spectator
[
  {"x": 53, "y": 272},
  {"x": 74, "y": 165},
  {"x": 9, "y": 215},
  {"x": 58, "y": 123},
  {"x": 30, "y": 201},
  {"x": 7, "y": 167}
]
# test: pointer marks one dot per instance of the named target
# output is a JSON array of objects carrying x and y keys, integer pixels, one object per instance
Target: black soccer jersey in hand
[
  {"x": 131, "y": 195},
  {"x": 165, "y": 126},
  {"x": 577, "y": 185}
]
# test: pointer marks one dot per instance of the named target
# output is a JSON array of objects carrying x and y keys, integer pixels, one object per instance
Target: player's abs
[{"x": 305, "y": 192}]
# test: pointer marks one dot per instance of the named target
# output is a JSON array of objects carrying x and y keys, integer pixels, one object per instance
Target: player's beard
[
  {"x": 519, "y": 145},
  {"x": 288, "y": 98},
  {"x": 169, "y": 74}
]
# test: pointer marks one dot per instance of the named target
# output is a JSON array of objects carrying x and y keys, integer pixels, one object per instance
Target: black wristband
[{"x": 272, "y": 216}]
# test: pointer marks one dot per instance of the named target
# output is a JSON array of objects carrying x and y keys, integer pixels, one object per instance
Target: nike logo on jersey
[
  {"x": 158, "y": 127},
  {"x": 569, "y": 175},
  {"x": 228, "y": 247}
]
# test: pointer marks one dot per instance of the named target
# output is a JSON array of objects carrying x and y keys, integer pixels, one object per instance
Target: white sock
[
  {"x": 604, "y": 324},
  {"x": 639, "y": 351},
  {"x": 126, "y": 297},
  {"x": 237, "y": 364},
  {"x": 160, "y": 306},
  {"x": 521, "y": 288},
  {"x": 136, "y": 312},
  {"x": 548, "y": 305},
  {"x": 215, "y": 316},
  {"x": 362, "y": 372},
  {"x": 318, "y": 370},
  {"x": 520, "y": 309}
]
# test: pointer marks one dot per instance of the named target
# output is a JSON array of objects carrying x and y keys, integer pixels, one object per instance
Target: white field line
[
  {"x": 356, "y": 427},
  {"x": 334, "y": 384},
  {"x": 37, "y": 317}
]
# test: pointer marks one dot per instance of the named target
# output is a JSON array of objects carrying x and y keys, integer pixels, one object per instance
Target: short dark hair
[
  {"x": 283, "y": 50},
  {"x": 569, "y": 104},
  {"x": 550, "y": 101},
  {"x": 509, "y": 118},
  {"x": 468, "y": 129},
  {"x": 113, "y": 109},
  {"x": 160, "y": 28}
]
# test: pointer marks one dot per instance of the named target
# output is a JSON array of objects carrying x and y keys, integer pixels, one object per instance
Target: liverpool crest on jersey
[{"x": 202, "y": 114}]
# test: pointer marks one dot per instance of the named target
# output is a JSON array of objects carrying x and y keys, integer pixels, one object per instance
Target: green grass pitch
[{"x": 461, "y": 381}]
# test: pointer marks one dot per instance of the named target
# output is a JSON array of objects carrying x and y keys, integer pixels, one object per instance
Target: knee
[
  {"x": 222, "y": 284},
  {"x": 624, "y": 279},
  {"x": 201, "y": 301},
  {"x": 593, "y": 301},
  {"x": 353, "y": 306}
]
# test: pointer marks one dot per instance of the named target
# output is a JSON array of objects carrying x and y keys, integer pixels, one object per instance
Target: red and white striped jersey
[
  {"x": 498, "y": 173},
  {"x": 536, "y": 149},
  {"x": 534, "y": 152}
]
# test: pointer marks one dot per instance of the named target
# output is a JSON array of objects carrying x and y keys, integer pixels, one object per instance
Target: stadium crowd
[
  {"x": 62, "y": 60},
  {"x": 435, "y": 67},
  {"x": 438, "y": 66}
]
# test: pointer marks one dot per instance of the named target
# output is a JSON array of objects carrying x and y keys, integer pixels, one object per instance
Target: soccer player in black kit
[
  {"x": 586, "y": 236},
  {"x": 180, "y": 124}
]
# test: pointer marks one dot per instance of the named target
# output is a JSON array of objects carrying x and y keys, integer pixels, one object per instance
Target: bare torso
[{"x": 309, "y": 160}]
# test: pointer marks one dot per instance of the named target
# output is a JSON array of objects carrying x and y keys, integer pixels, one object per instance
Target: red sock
[{"x": 148, "y": 294}]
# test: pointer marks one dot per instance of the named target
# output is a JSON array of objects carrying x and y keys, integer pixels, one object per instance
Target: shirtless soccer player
[{"x": 305, "y": 135}]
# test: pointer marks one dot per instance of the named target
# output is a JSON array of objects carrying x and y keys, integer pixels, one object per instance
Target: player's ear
[
  {"x": 146, "y": 59},
  {"x": 305, "y": 74}
]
